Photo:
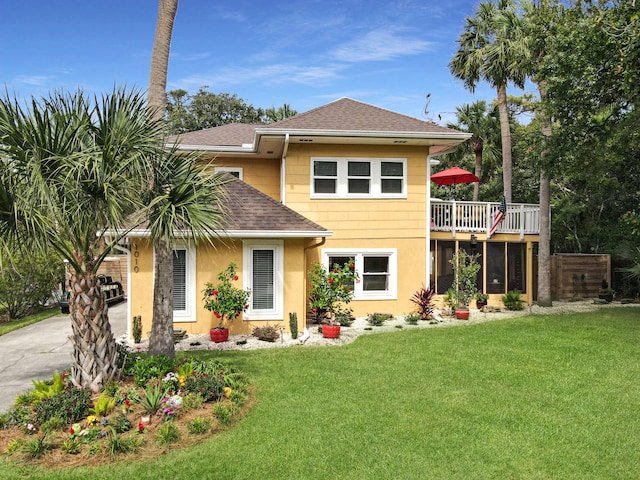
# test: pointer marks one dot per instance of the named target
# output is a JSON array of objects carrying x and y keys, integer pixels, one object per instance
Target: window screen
[
  {"x": 179, "y": 279},
  {"x": 262, "y": 294}
]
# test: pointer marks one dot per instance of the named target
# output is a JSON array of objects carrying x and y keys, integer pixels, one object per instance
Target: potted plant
[
  {"x": 606, "y": 293},
  {"x": 481, "y": 300},
  {"x": 225, "y": 301},
  {"x": 465, "y": 269},
  {"x": 330, "y": 291}
]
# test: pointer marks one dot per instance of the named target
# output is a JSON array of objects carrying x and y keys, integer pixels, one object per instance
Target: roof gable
[{"x": 348, "y": 115}]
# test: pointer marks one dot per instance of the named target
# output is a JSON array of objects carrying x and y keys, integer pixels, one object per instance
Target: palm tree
[
  {"x": 492, "y": 47},
  {"x": 161, "y": 338},
  {"x": 188, "y": 199},
  {"x": 483, "y": 124},
  {"x": 73, "y": 168}
]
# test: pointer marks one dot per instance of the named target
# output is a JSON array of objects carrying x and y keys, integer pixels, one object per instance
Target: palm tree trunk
[
  {"x": 478, "y": 173},
  {"x": 544, "y": 250},
  {"x": 505, "y": 133},
  {"x": 160, "y": 55},
  {"x": 161, "y": 338},
  {"x": 94, "y": 348}
]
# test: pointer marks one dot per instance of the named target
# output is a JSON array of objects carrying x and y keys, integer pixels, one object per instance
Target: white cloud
[
  {"x": 33, "y": 80},
  {"x": 381, "y": 44}
]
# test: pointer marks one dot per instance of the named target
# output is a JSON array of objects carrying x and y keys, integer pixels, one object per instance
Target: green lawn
[
  {"x": 12, "y": 325},
  {"x": 548, "y": 397}
]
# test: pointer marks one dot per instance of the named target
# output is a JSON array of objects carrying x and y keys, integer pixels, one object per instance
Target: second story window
[{"x": 358, "y": 177}]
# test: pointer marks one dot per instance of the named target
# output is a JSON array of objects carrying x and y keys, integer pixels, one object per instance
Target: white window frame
[
  {"x": 189, "y": 313},
  {"x": 342, "y": 180},
  {"x": 358, "y": 256},
  {"x": 277, "y": 246},
  {"x": 237, "y": 170}
]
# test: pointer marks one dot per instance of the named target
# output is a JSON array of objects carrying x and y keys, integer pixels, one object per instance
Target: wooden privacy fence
[{"x": 578, "y": 275}]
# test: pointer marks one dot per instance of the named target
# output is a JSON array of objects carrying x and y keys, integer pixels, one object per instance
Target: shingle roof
[
  {"x": 252, "y": 210},
  {"x": 344, "y": 114},
  {"x": 233, "y": 134},
  {"x": 349, "y": 114}
]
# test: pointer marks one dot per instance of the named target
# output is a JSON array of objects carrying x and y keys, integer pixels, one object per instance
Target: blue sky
[{"x": 302, "y": 52}]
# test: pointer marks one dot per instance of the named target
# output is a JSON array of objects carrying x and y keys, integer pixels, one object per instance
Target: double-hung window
[
  {"x": 263, "y": 269},
  {"x": 377, "y": 271},
  {"x": 333, "y": 177}
]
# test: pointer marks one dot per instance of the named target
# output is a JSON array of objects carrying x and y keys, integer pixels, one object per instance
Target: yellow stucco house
[{"x": 344, "y": 180}]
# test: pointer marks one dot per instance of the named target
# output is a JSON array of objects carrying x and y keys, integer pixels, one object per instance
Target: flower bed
[{"x": 159, "y": 406}]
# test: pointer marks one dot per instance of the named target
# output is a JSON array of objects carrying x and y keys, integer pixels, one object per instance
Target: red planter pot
[
  {"x": 330, "y": 331},
  {"x": 462, "y": 313},
  {"x": 219, "y": 335}
]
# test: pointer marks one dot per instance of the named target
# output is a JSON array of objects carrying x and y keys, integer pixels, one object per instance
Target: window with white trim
[
  {"x": 184, "y": 288},
  {"x": 358, "y": 177},
  {"x": 263, "y": 266},
  {"x": 377, "y": 270}
]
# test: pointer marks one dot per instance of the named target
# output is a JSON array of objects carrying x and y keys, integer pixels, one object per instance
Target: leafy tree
[
  {"x": 29, "y": 281},
  {"x": 71, "y": 169},
  {"x": 204, "y": 109},
  {"x": 483, "y": 123},
  {"x": 493, "y": 48}
]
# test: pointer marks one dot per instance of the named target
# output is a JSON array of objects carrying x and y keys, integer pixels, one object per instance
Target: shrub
[
  {"x": 120, "y": 423},
  {"x": 512, "y": 300},
  {"x": 331, "y": 289},
  {"x": 192, "y": 401},
  {"x": 412, "y": 318},
  {"x": 223, "y": 299},
  {"x": 151, "y": 398},
  {"x": 54, "y": 423},
  {"x": 28, "y": 283},
  {"x": 377, "y": 319},
  {"x": 48, "y": 388},
  {"x": 116, "y": 444},
  {"x": 151, "y": 367},
  {"x": 103, "y": 406},
  {"x": 208, "y": 386},
  {"x": 198, "y": 426},
  {"x": 344, "y": 317},
  {"x": 167, "y": 433},
  {"x": 35, "y": 447},
  {"x": 71, "y": 446},
  {"x": 224, "y": 413},
  {"x": 423, "y": 300},
  {"x": 71, "y": 405},
  {"x": 268, "y": 333}
]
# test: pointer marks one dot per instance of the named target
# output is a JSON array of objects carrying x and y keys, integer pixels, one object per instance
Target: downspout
[
  {"x": 127, "y": 252},
  {"x": 283, "y": 171},
  {"x": 429, "y": 263},
  {"x": 304, "y": 286}
]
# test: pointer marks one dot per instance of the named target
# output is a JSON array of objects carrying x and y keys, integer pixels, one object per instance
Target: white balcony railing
[{"x": 452, "y": 216}]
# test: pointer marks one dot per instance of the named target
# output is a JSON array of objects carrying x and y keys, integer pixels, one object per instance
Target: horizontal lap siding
[
  {"x": 360, "y": 218},
  {"x": 368, "y": 223},
  {"x": 262, "y": 174}
]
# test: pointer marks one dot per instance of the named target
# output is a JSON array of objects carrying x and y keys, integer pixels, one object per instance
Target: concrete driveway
[{"x": 37, "y": 351}]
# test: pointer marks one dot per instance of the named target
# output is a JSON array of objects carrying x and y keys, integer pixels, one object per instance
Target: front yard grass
[
  {"x": 11, "y": 325},
  {"x": 542, "y": 397}
]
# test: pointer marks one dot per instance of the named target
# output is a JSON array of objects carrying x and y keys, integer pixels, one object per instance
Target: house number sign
[{"x": 136, "y": 254}]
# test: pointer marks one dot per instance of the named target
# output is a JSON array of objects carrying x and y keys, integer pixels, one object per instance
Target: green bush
[
  {"x": 512, "y": 300},
  {"x": 168, "y": 433},
  {"x": 71, "y": 405},
  {"x": 120, "y": 423},
  {"x": 147, "y": 368},
  {"x": 208, "y": 386},
  {"x": 27, "y": 283},
  {"x": 412, "y": 318},
  {"x": 377, "y": 319}
]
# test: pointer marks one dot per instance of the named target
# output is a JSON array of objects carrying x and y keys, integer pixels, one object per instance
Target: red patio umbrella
[{"x": 454, "y": 175}]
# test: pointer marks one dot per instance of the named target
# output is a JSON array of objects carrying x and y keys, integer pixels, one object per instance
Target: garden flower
[
  {"x": 227, "y": 391},
  {"x": 140, "y": 427},
  {"x": 92, "y": 419}
]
